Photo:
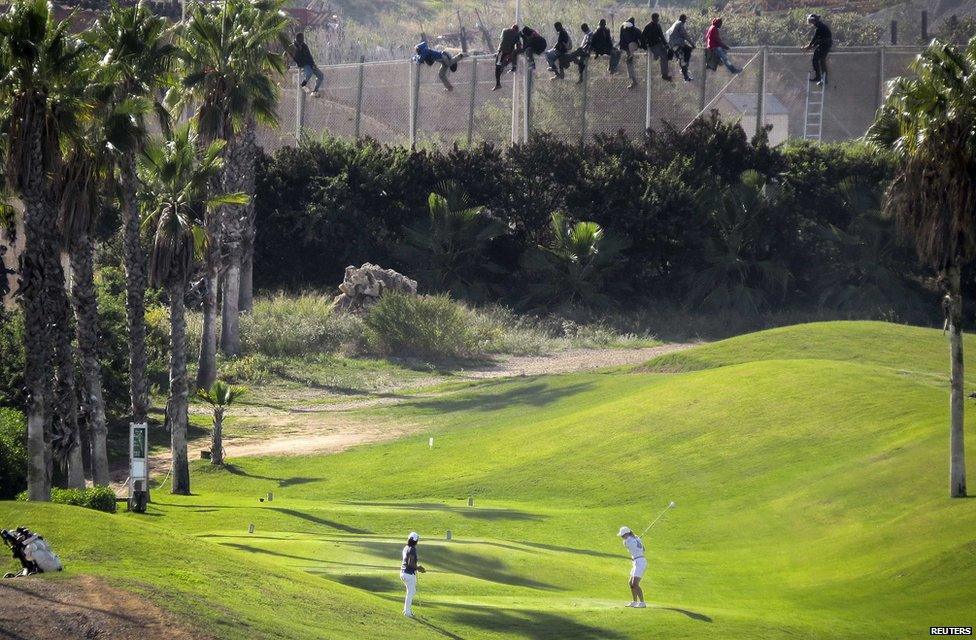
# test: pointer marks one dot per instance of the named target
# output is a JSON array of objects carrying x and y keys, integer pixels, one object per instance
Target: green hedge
[
  {"x": 98, "y": 498},
  {"x": 424, "y": 326}
]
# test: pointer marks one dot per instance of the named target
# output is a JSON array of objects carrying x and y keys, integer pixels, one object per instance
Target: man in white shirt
[
  {"x": 636, "y": 549},
  {"x": 408, "y": 572}
]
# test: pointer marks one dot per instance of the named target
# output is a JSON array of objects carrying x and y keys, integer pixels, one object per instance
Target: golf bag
[{"x": 32, "y": 551}]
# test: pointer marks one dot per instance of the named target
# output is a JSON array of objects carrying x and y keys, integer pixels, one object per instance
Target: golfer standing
[
  {"x": 636, "y": 549},
  {"x": 408, "y": 572}
]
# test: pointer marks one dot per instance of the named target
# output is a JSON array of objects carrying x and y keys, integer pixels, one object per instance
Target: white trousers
[{"x": 410, "y": 582}]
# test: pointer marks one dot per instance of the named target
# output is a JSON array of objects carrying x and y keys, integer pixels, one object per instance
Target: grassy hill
[{"x": 808, "y": 465}]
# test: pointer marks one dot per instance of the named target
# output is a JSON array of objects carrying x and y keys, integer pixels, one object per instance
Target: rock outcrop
[{"x": 362, "y": 287}]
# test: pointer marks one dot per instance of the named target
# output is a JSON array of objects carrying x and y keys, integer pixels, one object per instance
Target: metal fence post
[
  {"x": 299, "y": 108},
  {"x": 359, "y": 95},
  {"x": 881, "y": 75},
  {"x": 647, "y": 93},
  {"x": 584, "y": 98},
  {"x": 414, "y": 102},
  {"x": 704, "y": 70},
  {"x": 761, "y": 91},
  {"x": 527, "y": 105},
  {"x": 474, "y": 95}
]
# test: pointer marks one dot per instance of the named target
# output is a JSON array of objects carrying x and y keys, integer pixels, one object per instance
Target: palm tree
[
  {"x": 228, "y": 64},
  {"x": 929, "y": 122},
  {"x": 136, "y": 51},
  {"x": 219, "y": 396},
  {"x": 40, "y": 62},
  {"x": 573, "y": 269},
  {"x": 739, "y": 272},
  {"x": 81, "y": 193},
  {"x": 175, "y": 174},
  {"x": 449, "y": 250}
]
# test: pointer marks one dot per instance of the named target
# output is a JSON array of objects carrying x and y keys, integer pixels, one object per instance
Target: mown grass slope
[{"x": 811, "y": 496}]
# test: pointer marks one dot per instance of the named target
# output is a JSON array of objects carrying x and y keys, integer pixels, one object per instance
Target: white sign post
[{"x": 138, "y": 466}]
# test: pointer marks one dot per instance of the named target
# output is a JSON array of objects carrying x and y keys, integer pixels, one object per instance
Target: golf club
[{"x": 671, "y": 504}]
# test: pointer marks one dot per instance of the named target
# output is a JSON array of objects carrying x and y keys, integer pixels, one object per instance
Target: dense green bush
[
  {"x": 13, "y": 453},
  {"x": 297, "y": 325},
  {"x": 424, "y": 326},
  {"x": 98, "y": 498},
  {"x": 657, "y": 196},
  {"x": 12, "y": 390}
]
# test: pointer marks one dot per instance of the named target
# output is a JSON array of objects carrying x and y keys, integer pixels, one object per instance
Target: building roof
[{"x": 745, "y": 103}]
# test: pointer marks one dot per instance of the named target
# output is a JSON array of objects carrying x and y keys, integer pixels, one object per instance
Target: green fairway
[{"x": 809, "y": 466}]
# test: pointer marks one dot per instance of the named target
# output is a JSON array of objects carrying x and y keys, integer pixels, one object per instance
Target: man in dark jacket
[
  {"x": 821, "y": 43},
  {"x": 603, "y": 46},
  {"x": 557, "y": 57},
  {"x": 630, "y": 42},
  {"x": 507, "y": 53},
  {"x": 303, "y": 60},
  {"x": 533, "y": 45},
  {"x": 656, "y": 44}
]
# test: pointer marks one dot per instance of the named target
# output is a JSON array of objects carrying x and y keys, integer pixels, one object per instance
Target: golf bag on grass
[{"x": 33, "y": 552}]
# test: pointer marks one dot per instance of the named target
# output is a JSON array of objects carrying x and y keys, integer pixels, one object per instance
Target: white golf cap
[
  {"x": 624, "y": 531},
  {"x": 414, "y": 536}
]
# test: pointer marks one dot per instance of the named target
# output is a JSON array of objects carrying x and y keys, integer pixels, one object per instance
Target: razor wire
[{"x": 401, "y": 103}]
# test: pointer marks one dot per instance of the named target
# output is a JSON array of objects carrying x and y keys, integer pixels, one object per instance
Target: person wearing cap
[
  {"x": 630, "y": 42},
  {"x": 717, "y": 49},
  {"x": 408, "y": 572},
  {"x": 636, "y": 549},
  {"x": 507, "y": 52},
  {"x": 821, "y": 43}
]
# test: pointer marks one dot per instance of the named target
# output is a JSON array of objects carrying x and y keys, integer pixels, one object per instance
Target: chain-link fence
[{"x": 401, "y": 103}]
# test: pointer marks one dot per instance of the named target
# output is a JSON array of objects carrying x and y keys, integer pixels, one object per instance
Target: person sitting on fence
[
  {"x": 557, "y": 57},
  {"x": 681, "y": 45},
  {"x": 603, "y": 46},
  {"x": 630, "y": 42},
  {"x": 533, "y": 45},
  {"x": 302, "y": 56},
  {"x": 654, "y": 42},
  {"x": 716, "y": 49},
  {"x": 507, "y": 54},
  {"x": 423, "y": 54},
  {"x": 821, "y": 43},
  {"x": 582, "y": 53}
]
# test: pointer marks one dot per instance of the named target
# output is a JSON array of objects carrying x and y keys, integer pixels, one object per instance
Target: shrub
[
  {"x": 297, "y": 325},
  {"x": 97, "y": 498},
  {"x": 13, "y": 453},
  {"x": 424, "y": 326},
  {"x": 12, "y": 392}
]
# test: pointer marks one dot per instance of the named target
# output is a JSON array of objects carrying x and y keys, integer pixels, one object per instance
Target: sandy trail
[{"x": 328, "y": 428}]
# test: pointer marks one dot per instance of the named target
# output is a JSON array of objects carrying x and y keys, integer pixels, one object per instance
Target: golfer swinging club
[
  {"x": 408, "y": 572},
  {"x": 636, "y": 549}
]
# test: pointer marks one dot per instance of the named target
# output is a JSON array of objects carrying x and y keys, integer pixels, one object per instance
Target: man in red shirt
[{"x": 717, "y": 48}]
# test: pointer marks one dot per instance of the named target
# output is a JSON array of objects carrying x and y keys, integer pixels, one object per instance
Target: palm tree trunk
[
  {"x": 236, "y": 168},
  {"x": 135, "y": 290},
  {"x": 246, "y": 301},
  {"x": 957, "y": 459},
  {"x": 207, "y": 362},
  {"x": 176, "y": 407},
  {"x": 217, "y": 438},
  {"x": 230, "y": 335},
  {"x": 86, "y": 325},
  {"x": 66, "y": 400},
  {"x": 38, "y": 330}
]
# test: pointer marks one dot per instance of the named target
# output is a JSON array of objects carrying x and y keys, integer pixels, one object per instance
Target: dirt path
[
  {"x": 327, "y": 428},
  {"x": 82, "y": 608}
]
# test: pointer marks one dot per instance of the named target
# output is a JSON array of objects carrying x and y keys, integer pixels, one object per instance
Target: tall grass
[{"x": 306, "y": 324}]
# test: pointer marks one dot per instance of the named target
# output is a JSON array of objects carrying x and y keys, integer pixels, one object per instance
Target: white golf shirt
[{"x": 634, "y": 546}]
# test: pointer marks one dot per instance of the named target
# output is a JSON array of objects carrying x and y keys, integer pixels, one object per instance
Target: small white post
[
  {"x": 430, "y": 442},
  {"x": 250, "y": 528}
]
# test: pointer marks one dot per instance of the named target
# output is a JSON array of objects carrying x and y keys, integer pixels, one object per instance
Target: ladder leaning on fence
[{"x": 813, "y": 115}]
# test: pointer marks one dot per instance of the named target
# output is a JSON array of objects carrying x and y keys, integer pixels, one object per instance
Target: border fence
[{"x": 401, "y": 103}]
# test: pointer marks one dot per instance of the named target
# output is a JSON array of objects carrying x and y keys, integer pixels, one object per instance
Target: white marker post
[{"x": 430, "y": 443}]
